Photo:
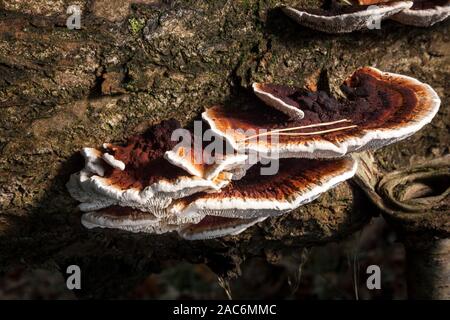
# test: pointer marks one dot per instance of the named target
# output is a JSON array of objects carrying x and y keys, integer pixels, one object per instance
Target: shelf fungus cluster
[
  {"x": 333, "y": 17},
  {"x": 151, "y": 184}
]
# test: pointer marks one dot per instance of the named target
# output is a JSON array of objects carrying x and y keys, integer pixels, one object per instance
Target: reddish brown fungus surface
[
  {"x": 211, "y": 221},
  {"x": 334, "y": 10},
  {"x": 143, "y": 158}
]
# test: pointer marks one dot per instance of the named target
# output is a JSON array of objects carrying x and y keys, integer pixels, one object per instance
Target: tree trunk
[{"x": 134, "y": 64}]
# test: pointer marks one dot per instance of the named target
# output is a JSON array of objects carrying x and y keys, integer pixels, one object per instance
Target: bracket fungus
[
  {"x": 151, "y": 184},
  {"x": 344, "y": 19},
  {"x": 365, "y": 14},
  {"x": 146, "y": 180},
  {"x": 424, "y": 13},
  {"x": 381, "y": 108},
  {"x": 211, "y": 167},
  {"x": 132, "y": 220}
]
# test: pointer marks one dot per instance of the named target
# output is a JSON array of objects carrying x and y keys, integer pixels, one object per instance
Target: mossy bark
[{"x": 125, "y": 69}]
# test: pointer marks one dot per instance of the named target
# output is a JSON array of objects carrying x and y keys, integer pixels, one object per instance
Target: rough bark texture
[
  {"x": 132, "y": 65},
  {"x": 416, "y": 203}
]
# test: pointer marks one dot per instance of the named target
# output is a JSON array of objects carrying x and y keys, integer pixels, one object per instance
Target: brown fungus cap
[
  {"x": 424, "y": 13},
  {"x": 137, "y": 175},
  {"x": 381, "y": 108},
  {"x": 132, "y": 220},
  {"x": 344, "y": 19},
  {"x": 279, "y": 97},
  {"x": 238, "y": 206},
  {"x": 151, "y": 157},
  {"x": 125, "y": 218},
  {"x": 297, "y": 181}
]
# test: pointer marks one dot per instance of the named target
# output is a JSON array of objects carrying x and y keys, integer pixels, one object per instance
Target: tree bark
[
  {"x": 131, "y": 65},
  {"x": 428, "y": 270}
]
